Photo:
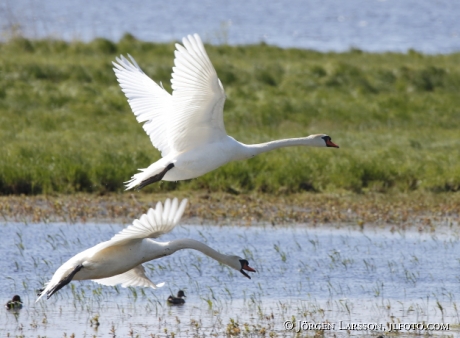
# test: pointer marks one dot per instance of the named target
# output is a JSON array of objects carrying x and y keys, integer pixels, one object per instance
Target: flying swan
[
  {"x": 187, "y": 127},
  {"x": 119, "y": 260}
]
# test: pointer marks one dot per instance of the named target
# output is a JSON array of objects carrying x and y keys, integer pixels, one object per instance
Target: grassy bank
[{"x": 66, "y": 127}]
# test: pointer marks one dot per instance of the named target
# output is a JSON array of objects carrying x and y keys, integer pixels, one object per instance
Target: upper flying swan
[
  {"x": 187, "y": 127},
  {"x": 119, "y": 260}
]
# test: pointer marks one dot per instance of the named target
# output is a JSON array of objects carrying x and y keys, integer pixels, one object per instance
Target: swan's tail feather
[
  {"x": 61, "y": 278},
  {"x": 136, "y": 180},
  {"x": 152, "y": 174},
  {"x": 42, "y": 293}
]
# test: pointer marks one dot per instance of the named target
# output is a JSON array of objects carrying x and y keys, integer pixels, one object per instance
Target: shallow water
[
  {"x": 315, "y": 274},
  {"x": 325, "y": 25}
]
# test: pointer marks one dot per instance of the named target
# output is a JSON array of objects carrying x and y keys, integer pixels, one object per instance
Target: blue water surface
[
  {"x": 316, "y": 274},
  {"x": 324, "y": 25}
]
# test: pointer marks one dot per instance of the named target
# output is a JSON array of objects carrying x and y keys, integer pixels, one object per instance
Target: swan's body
[
  {"x": 187, "y": 127},
  {"x": 119, "y": 260}
]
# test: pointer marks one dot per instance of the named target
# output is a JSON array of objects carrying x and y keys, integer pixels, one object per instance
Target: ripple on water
[{"x": 312, "y": 274}]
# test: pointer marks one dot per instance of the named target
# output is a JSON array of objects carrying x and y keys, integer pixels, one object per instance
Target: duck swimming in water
[
  {"x": 177, "y": 300},
  {"x": 14, "y": 304}
]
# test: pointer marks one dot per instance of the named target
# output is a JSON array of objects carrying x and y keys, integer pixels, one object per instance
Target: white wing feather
[
  {"x": 198, "y": 98},
  {"x": 149, "y": 102},
  {"x": 154, "y": 223},
  {"x": 133, "y": 277},
  {"x": 193, "y": 115}
]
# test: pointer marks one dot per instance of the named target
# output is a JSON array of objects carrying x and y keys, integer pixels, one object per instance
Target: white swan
[
  {"x": 187, "y": 127},
  {"x": 119, "y": 260}
]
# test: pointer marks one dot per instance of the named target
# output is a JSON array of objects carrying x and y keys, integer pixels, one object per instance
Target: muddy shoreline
[{"x": 422, "y": 210}]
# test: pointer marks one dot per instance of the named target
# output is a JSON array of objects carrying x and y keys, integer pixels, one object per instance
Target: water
[
  {"x": 325, "y": 25},
  {"x": 318, "y": 275}
]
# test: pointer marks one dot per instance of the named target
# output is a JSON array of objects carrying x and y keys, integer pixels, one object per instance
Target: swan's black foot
[
  {"x": 157, "y": 177},
  {"x": 63, "y": 282}
]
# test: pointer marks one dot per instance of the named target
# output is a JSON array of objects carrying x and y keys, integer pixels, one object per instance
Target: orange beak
[
  {"x": 329, "y": 143},
  {"x": 247, "y": 268}
]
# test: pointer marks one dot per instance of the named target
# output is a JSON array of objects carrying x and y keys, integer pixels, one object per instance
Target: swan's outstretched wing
[
  {"x": 198, "y": 98},
  {"x": 154, "y": 223},
  {"x": 149, "y": 102},
  {"x": 133, "y": 277}
]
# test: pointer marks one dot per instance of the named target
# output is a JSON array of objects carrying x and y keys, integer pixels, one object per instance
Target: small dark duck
[
  {"x": 14, "y": 304},
  {"x": 178, "y": 299}
]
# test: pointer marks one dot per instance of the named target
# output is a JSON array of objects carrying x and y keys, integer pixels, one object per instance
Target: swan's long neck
[
  {"x": 256, "y": 149},
  {"x": 188, "y": 243}
]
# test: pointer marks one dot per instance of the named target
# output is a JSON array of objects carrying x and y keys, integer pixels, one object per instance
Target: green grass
[{"x": 65, "y": 126}]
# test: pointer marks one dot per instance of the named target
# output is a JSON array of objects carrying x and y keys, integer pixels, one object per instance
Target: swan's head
[
  {"x": 240, "y": 264},
  {"x": 322, "y": 140}
]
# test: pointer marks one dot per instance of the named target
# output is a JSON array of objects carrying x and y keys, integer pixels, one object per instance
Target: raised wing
[
  {"x": 133, "y": 277},
  {"x": 149, "y": 102},
  {"x": 198, "y": 98},
  {"x": 154, "y": 223}
]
